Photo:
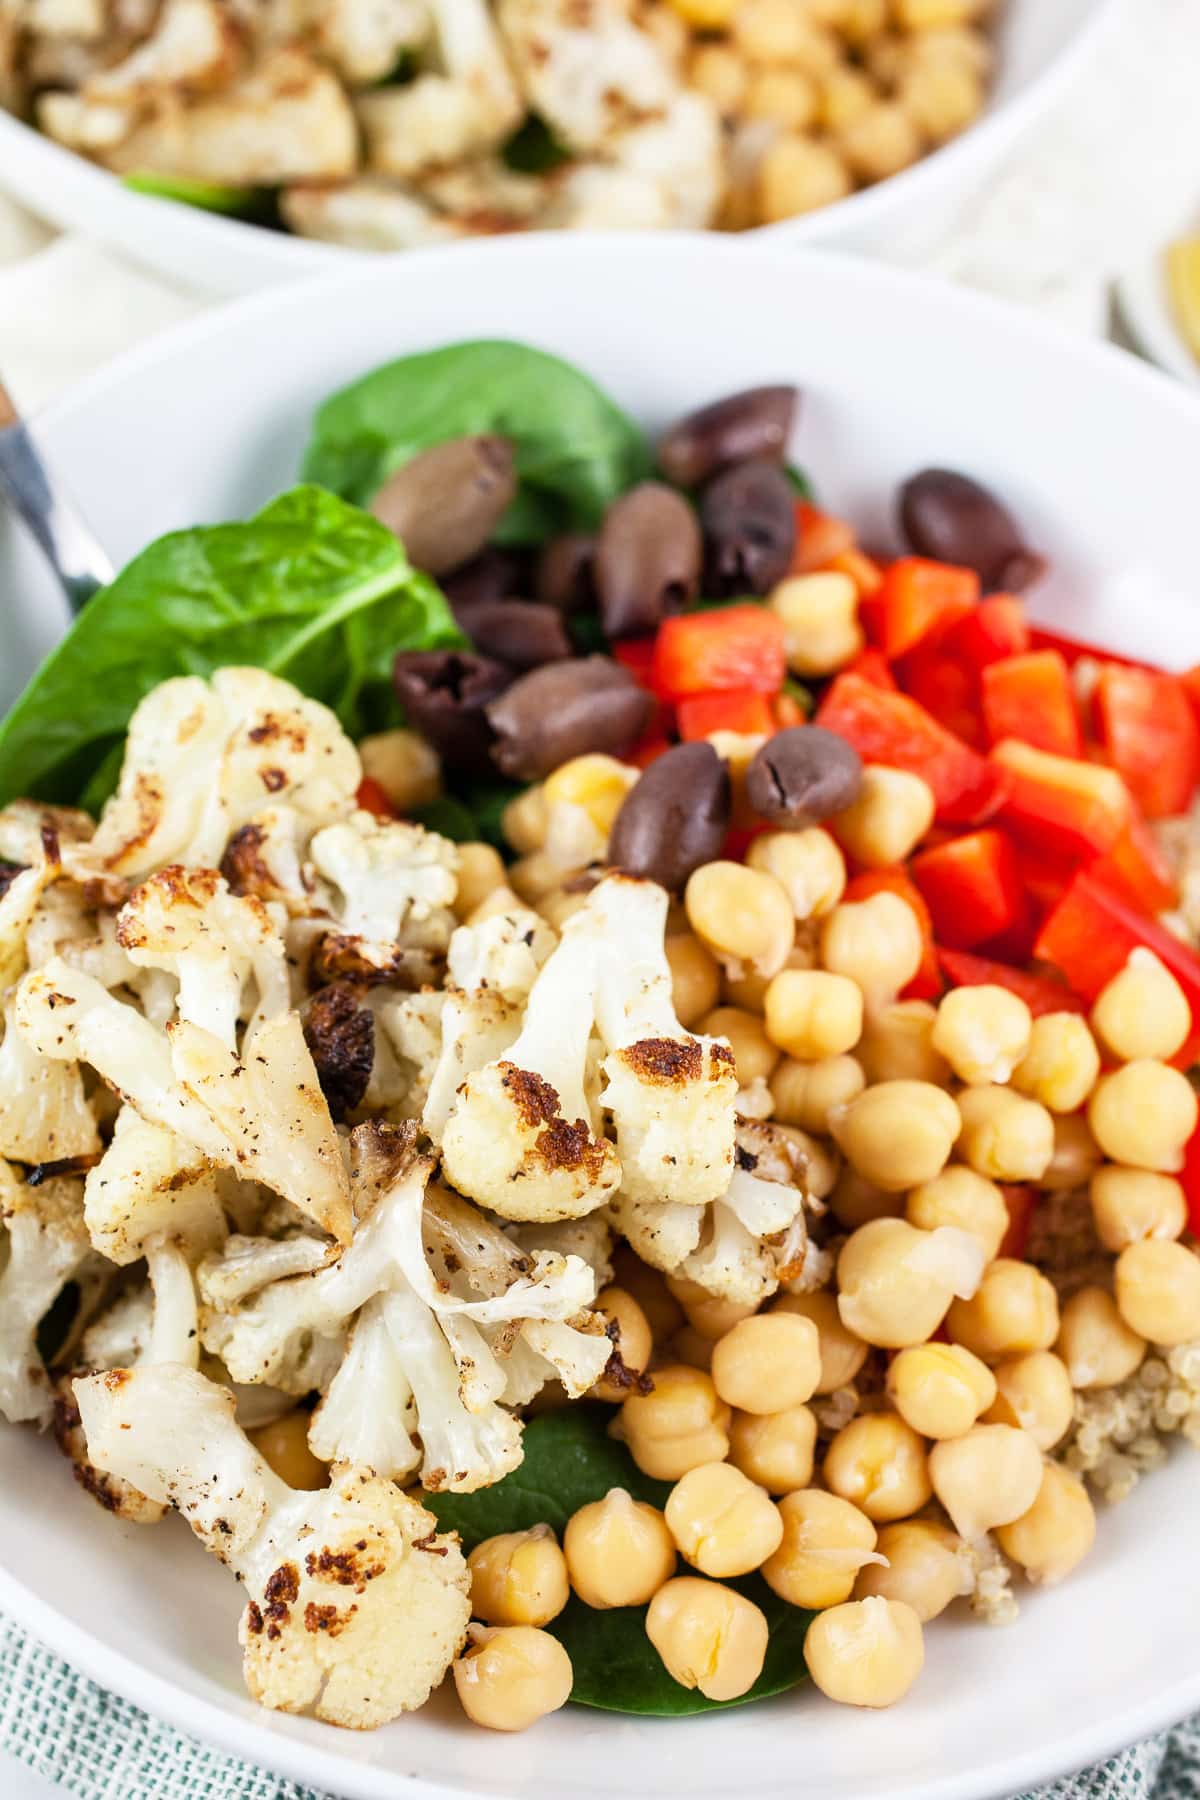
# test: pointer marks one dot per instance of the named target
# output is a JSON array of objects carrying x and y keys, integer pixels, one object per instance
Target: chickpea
[
  {"x": 525, "y": 821},
  {"x": 768, "y": 1362},
  {"x": 863, "y": 19},
  {"x": 693, "y": 1348},
  {"x": 1143, "y": 1115},
  {"x": 633, "y": 1344},
  {"x": 1143, "y": 1012},
  {"x": 709, "y": 1314},
  {"x": 876, "y": 942},
  {"x": 1060, "y": 1067},
  {"x": 940, "y": 1389},
  {"x": 887, "y": 821},
  {"x": 941, "y": 97},
  {"x": 812, "y": 1014},
  {"x": 867, "y": 1652},
  {"x": 510, "y": 1676},
  {"x": 595, "y": 783},
  {"x": 677, "y": 1426},
  {"x": 1094, "y": 1341},
  {"x": 708, "y": 1636},
  {"x": 1004, "y": 1136},
  {"x": 283, "y": 1446},
  {"x": 988, "y": 1477},
  {"x": 920, "y": 15},
  {"x": 774, "y": 1449},
  {"x": 535, "y": 877},
  {"x": 897, "y": 1044},
  {"x": 407, "y": 768},
  {"x": 750, "y": 991},
  {"x": 771, "y": 32},
  {"x": 880, "y": 142},
  {"x": 718, "y": 72},
  {"x": 518, "y": 1578},
  {"x": 797, "y": 175},
  {"x": 826, "y": 1541},
  {"x": 819, "y": 613},
  {"x": 983, "y": 1032},
  {"x": 737, "y": 750},
  {"x": 878, "y": 1461},
  {"x": 1014, "y": 1310},
  {"x": 1158, "y": 1291},
  {"x": 898, "y": 1133},
  {"x": 648, "y": 1287},
  {"x": 1130, "y": 1204},
  {"x": 1035, "y": 1393},
  {"x": 926, "y": 1567},
  {"x": 808, "y": 865},
  {"x": 558, "y": 906},
  {"x": 723, "y": 1523},
  {"x": 743, "y": 916},
  {"x": 784, "y": 97},
  {"x": 896, "y": 1282},
  {"x": 706, "y": 15},
  {"x": 842, "y": 1354},
  {"x": 695, "y": 978},
  {"x": 500, "y": 900},
  {"x": 845, "y": 95},
  {"x": 618, "y": 1551},
  {"x": 959, "y": 44},
  {"x": 1056, "y": 1533},
  {"x": 754, "y": 1054},
  {"x": 856, "y": 1202},
  {"x": 480, "y": 873},
  {"x": 960, "y": 1197},
  {"x": 805, "y": 1092},
  {"x": 1076, "y": 1154}
]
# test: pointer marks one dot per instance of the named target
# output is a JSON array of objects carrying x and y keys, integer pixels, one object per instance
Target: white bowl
[
  {"x": 1041, "y": 43},
  {"x": 1146, "y": 313},
  {"x": 1096, "y": 453}
]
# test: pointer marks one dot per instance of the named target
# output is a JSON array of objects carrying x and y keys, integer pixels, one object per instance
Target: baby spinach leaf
[
  {"x": 575, "y": 450},
  {"x": 208, "y": 196},
  {"x": 570, "y": 1460},
  {"x": 311, "y": 589},
  {"x": 534, "y": 148}
]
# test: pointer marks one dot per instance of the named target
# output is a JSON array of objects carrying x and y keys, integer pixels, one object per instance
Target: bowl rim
[
  {"x": 248, "y": 1736},
  {"x": 861, "y": 211}
]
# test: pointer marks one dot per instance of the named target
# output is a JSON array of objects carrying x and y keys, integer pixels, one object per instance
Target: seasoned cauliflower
[
  {"x": 47, "y": 1242},
  {"x": 393, "y": 885},
  {"x": 585, "y": 67},
  {"x": 44, "y": 1113},
  {"x": 355, "y": 1606},
  {"x": 150, "y": 1181}
]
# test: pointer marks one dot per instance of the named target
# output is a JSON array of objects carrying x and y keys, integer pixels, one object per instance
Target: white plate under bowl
[
  {"x": 1097, "y": 454},
  {"x": 1041, "y": 43},
  {"x": 1145, "y": 308}
]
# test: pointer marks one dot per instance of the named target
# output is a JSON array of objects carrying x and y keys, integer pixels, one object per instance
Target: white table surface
[{"x": 16, "y": 1783}]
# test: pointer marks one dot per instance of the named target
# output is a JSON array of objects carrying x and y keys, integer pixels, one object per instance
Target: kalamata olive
[
  {"x": 674, "y": 818},
  {"x": 754, "y": 425},
  {"x": 648, "y": 557},
  {"x": 444, "y": 694},
  {"x": 564, "y": 571},
  {"x": 444, "y": 504},
  {"x": 565, "y": 709},
  {"x": 518, "y": 632},
  {"x": 803, "y": 775},
  {"x": 749, "y": 519},
  {"x": 953, "y": 519},
  {"x": 497, "y": 573}
]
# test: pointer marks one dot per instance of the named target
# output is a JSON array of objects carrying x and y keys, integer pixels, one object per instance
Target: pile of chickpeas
[{"x": 835, "y": 94}]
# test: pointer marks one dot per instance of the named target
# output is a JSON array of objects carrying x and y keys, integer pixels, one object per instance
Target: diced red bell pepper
[
  {"x": 1146, "y": 724},
  {"x": 636, "y": 655},
  {"x": 972, "y": 886},
  {"x": 946, "y": 689},
  {"x": 820, "y": 538},
  {"x": 1030, "y": 697},
  {"x": 1073, "y": 650},
  {"x": 916, "y": 597},
  {"x": 892, "y": 729},
  {"x": 1136, "y": 868},
  {"x": 1020, "y": 1202},
  {"x": 731, "y": 647},
  {"x": 994, "y": 629},
  {"x": 927, "y": 983},
  {"x": 1041, "y": 993},
  {"x": 1059, "y": 804},
  {"x": 863, "y": 570},
  {"x": 787, "y": 711},
  {"x": 739, "y": 709},
  {"x": 1190, "y": 682},
  {"x": 1189, "y": 1175},
  {"x": 372, "y": 798},
  {"x": 873, "y": 668}
]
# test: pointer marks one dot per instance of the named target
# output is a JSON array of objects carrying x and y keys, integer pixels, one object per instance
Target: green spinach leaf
[
  {"x": 575, "y": 450},
  {"x": 312, "y": 589},
  {"x": 570, "y": 1460},
  {"x": 208, "y": 196},
  {"x": 534, "y": 148}
]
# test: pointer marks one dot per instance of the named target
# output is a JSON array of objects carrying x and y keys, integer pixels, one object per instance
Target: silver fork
[{"x": 72, "y": 549}]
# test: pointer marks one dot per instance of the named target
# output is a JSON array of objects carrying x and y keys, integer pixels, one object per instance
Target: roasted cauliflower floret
[
  {"x": 392, "y": 884},
  {"x": 44, "y": 1113},
  {"x": 355, "y": 1606},
  {"x": 363, "y": 39},
  {"x": 46, "y": 1243},
  {"x": 194, "y": 46},
  {"x": 585, "y": 67},
  {"x": 468, "y": 103},
  {"x": 149, "y": 1182}
]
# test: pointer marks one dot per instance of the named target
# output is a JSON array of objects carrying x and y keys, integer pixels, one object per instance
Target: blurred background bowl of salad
[{"x": 863, "y": 124}]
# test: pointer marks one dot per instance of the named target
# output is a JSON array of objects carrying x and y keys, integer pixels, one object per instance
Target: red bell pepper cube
[
  {"x": 739, "y": 709},
  {"x": 872, "y": 666},
  {"x": 1030, "y": 697},
  {"x": 1021, "y": 1202},
  {"x": 972, "y": 887},
  {"x": 820, "y": 538},
  {"x": 916, "y": 597},
  {"x": 994, "y": 629},
  {"x": 1146, "y": 724},
  {"x": 371, "y": 797},
  {"x": 927, "y": 983},
  {"x": 636, "y": 655},
  {"x": 1190, "y": 683},
  {"x": 1041, "y": 993},
  {"x": 863, "y": 570},
  {"x": 1060, "y": 804},
  {"x": 731, "y": 647},
  {"x": 1089, "y": 936},
  {"x": 947, "y": 689},
  {"x": 892, "y": 729},
  {"x": 1073, "y": 650},
  {"x": 1137, "y": 869}
]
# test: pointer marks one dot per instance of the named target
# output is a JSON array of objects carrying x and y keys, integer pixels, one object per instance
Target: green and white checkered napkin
[{"x": 98, "y": 1747}]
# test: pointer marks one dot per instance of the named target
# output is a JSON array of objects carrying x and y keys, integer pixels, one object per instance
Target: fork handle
[{"x": 74, "y": 553}]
